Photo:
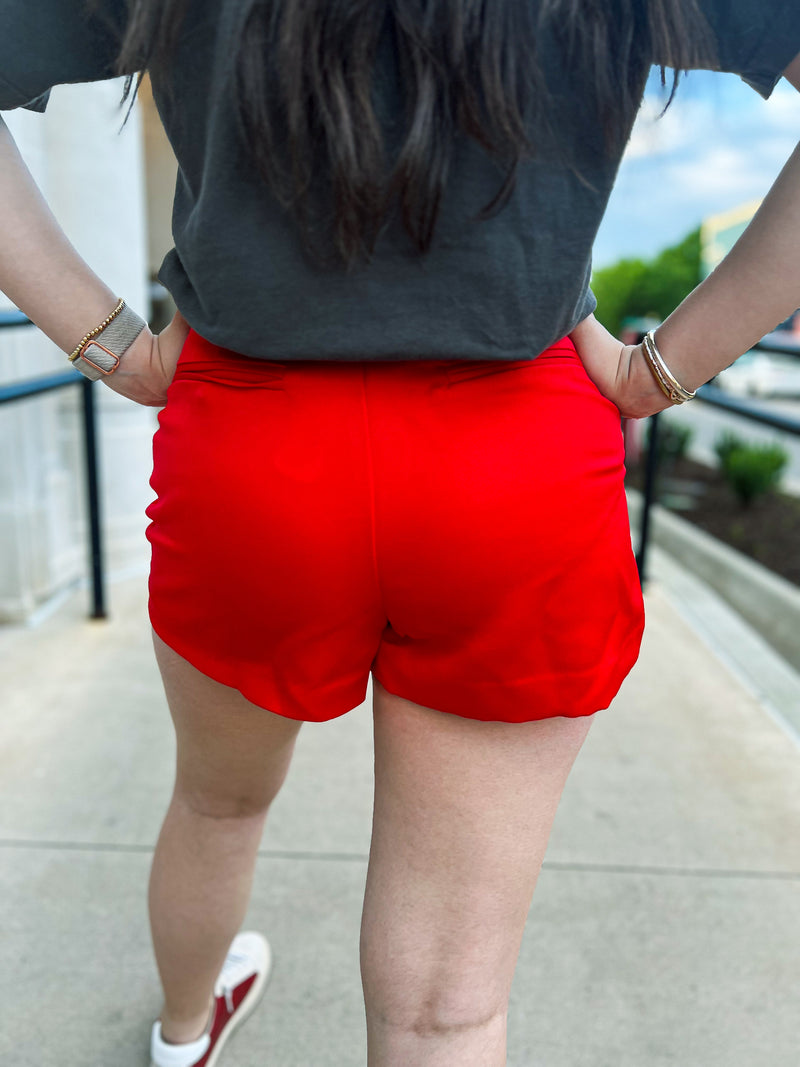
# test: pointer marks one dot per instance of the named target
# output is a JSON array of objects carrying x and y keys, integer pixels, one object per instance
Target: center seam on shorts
[{"x": 371, "y": 475}]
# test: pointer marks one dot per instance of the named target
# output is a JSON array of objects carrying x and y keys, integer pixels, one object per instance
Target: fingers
[{"x": 140, "y": 375}]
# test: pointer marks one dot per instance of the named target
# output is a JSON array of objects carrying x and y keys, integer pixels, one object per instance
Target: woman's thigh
[
  {"x": 462, "y": 816},
  {"x": 232, "y": 755}
]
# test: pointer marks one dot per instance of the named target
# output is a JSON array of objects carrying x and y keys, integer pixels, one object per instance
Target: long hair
[{"x": 303, "y": 72}]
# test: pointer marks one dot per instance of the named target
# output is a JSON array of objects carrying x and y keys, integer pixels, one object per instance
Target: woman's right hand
[{"x": 146, "y": 370}]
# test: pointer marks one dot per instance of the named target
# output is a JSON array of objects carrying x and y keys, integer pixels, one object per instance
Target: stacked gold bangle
[
  {"x": 97, "y": 330},
  {"x": 670, "y": 385}
]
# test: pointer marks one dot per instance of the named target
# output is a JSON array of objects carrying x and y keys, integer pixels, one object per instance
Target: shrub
[
  {"x": 675, "y": 439},
  {"x": 725, "y": 443},
  {"x": 672, "y": 441},
  {"x": 752, "y": 470}
]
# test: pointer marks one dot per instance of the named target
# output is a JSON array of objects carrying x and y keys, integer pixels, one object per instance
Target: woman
[{"x": 389, "y": 439}]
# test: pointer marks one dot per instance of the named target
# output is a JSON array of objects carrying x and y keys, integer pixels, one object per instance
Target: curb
[{"x": 770, "y": 603}]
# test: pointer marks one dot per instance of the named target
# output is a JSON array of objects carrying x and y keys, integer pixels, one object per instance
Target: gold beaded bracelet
[{"x": 97, "y": 330}]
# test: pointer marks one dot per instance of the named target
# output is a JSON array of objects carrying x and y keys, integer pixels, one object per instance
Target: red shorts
[{"x": 458, "y": 528}]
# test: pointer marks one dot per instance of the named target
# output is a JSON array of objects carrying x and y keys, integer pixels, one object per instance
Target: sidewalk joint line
[{"x": 359, "y": 857}]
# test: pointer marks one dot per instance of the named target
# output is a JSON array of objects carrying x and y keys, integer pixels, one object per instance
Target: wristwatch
[{"x": 99, "y": 356}]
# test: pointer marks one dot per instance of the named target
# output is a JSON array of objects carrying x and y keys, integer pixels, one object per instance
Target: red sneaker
[{"x": 237, "y": 990}]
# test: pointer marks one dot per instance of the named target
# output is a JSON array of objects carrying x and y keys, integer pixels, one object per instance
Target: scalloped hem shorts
[{"x": 457, "y": 527}]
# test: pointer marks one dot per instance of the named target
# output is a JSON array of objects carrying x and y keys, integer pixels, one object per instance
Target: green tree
[
  {"x": 618, "y": 290},
  {"x": 655, "y": 287}
]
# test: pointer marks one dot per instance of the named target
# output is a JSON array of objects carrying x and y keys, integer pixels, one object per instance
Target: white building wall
[
  {"x": 161, "y": 174},
  {"x": 93, "y": 178}
]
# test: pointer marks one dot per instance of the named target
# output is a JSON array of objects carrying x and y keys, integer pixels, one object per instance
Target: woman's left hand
[
  {"x": 148, "y": 366},
  {"x": 619, "y": 371}
]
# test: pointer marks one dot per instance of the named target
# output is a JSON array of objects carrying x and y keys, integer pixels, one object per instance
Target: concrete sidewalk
[{"x": 665, "y": 928}]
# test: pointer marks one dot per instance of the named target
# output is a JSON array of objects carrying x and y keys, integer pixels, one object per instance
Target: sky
[{"x": 719, "y": 144}]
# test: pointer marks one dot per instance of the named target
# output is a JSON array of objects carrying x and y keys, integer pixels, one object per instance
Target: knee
[
  {"x": 430, "y": 1021},
  {"x": 435, "y": 1008},
  {"x": 222, "y": 796},
  {"x": 221, "y": 805},
  {"x": 436, "y": 1026}
]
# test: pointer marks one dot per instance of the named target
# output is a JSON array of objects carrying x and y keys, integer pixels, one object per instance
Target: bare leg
[
  {"x": 462, "y": 817},
  {"x": 232, "y": 758}
]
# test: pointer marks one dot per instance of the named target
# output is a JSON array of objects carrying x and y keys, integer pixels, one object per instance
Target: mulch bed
[{"x": 767, "y": 531}]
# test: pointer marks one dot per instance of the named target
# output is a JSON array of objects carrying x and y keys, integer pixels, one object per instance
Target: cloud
[
  {"x": 718, "y": 145},
  {"x": 654, "y": 136},
  {"x": 719, "y": 172}
]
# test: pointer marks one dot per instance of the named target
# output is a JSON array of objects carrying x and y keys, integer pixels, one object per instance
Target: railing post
[
  {"x": 93, "y": 494},
  {"x": 649, "y": 497}
]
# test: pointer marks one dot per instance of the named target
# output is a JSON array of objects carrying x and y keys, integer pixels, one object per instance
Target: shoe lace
[{"x": 228, "y": 976}]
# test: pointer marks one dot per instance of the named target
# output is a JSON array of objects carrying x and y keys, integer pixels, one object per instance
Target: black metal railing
[
  {"x": 718, "y": 398},
  {"x": 708, "y": 394},
  {"x": 46, "y": 383}
]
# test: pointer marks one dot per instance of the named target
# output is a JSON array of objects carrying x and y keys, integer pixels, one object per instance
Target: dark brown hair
[{"x": 303, "y": 73}]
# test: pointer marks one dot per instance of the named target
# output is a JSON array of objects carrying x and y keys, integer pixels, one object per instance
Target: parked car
[{"x": 762, "y": 374}]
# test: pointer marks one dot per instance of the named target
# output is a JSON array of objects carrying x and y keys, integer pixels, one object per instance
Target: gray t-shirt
[{"x": 505, "y": 288}]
